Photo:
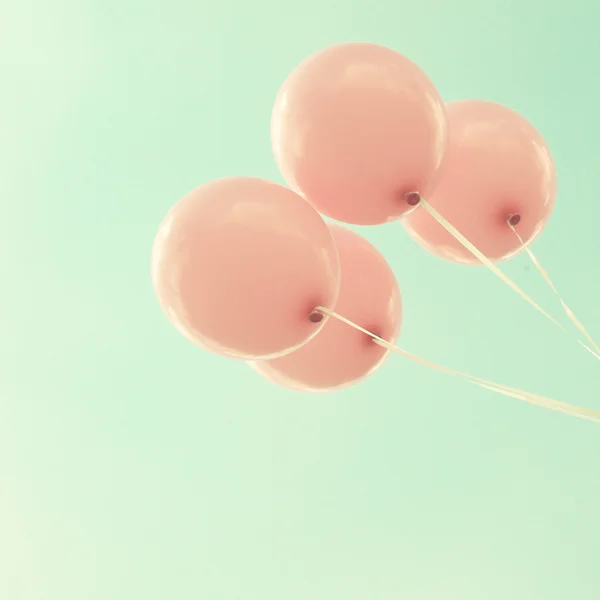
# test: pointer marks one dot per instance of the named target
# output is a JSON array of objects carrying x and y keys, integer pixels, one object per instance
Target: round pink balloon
[
  {"x": 497, "y": 167},
  {"x": 354, "y": 128},
  {"x": 339, "y": 355},
  {"x": 239, "y": 264}
]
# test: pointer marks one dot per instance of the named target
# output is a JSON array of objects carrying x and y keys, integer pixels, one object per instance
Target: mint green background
[{"x": 136, "y": 467}]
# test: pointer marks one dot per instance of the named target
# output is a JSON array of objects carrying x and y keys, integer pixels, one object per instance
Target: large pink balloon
[
  {"x": 354, "y": 128},
  {"x": 339, "y": 355},
  {"x": 497, "y": 166},
  {"x": 239, "y": 264}
]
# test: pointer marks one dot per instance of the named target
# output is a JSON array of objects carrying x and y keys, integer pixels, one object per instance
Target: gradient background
[{"x": 136, "y": 467}]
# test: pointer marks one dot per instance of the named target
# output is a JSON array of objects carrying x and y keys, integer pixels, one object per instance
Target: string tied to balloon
[
  {"x": 538, "y": 265},
  {"x": 512, "y": 221},
  {"x": 536, "y": 399}
]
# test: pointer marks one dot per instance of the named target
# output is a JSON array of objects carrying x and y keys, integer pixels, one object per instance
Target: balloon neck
[
  {"x": 315, "y": 317},
  {"x": 514, "y": 220},
  {"x": 413, "y": 198}
]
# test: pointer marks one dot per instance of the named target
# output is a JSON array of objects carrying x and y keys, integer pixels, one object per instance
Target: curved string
[
  {"x": 544, "y": 274},
  {"x": 494, "y": 269},
  {"x": 563, "y": 407}
]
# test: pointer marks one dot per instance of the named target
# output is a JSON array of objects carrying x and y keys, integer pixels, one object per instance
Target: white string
[
  {"x": 544, "y": 274},
  {"x": 563, "y": 407},
  {"x": 494, "y": 269}
]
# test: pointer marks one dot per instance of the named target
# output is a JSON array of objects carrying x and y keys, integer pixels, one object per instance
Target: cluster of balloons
[{"x": 361, "y": 135}]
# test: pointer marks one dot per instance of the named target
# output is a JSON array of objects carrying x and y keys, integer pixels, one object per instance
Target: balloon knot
[
  {"x": 413, "y": 198},
  {"x": 514, "y": 220},
  {"x": 315, "y": 317}
]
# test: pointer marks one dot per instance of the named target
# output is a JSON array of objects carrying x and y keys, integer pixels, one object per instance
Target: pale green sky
[{"x": 134, "y": 466}]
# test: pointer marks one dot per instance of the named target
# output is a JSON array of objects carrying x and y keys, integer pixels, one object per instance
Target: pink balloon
[
  {"x": 340, "y": 356},
  {"x": 354, "y": 128},
  {"x": 239, "y": 264},
  {"x": 497, "y": 166}
]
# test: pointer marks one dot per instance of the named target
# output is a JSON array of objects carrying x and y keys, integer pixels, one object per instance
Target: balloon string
[
  {"x": 544, "y": 274},
  {"x": 563, "y": 407},
  {"x": 494, "y": 269}
]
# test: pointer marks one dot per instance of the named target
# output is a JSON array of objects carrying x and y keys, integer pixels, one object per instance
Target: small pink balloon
[
  {"x": 497, "y": 167},
  {"x": 340, "y": 356},
  {"x": 239, "y": 264},
  {"x": 354, "y": 128}
]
